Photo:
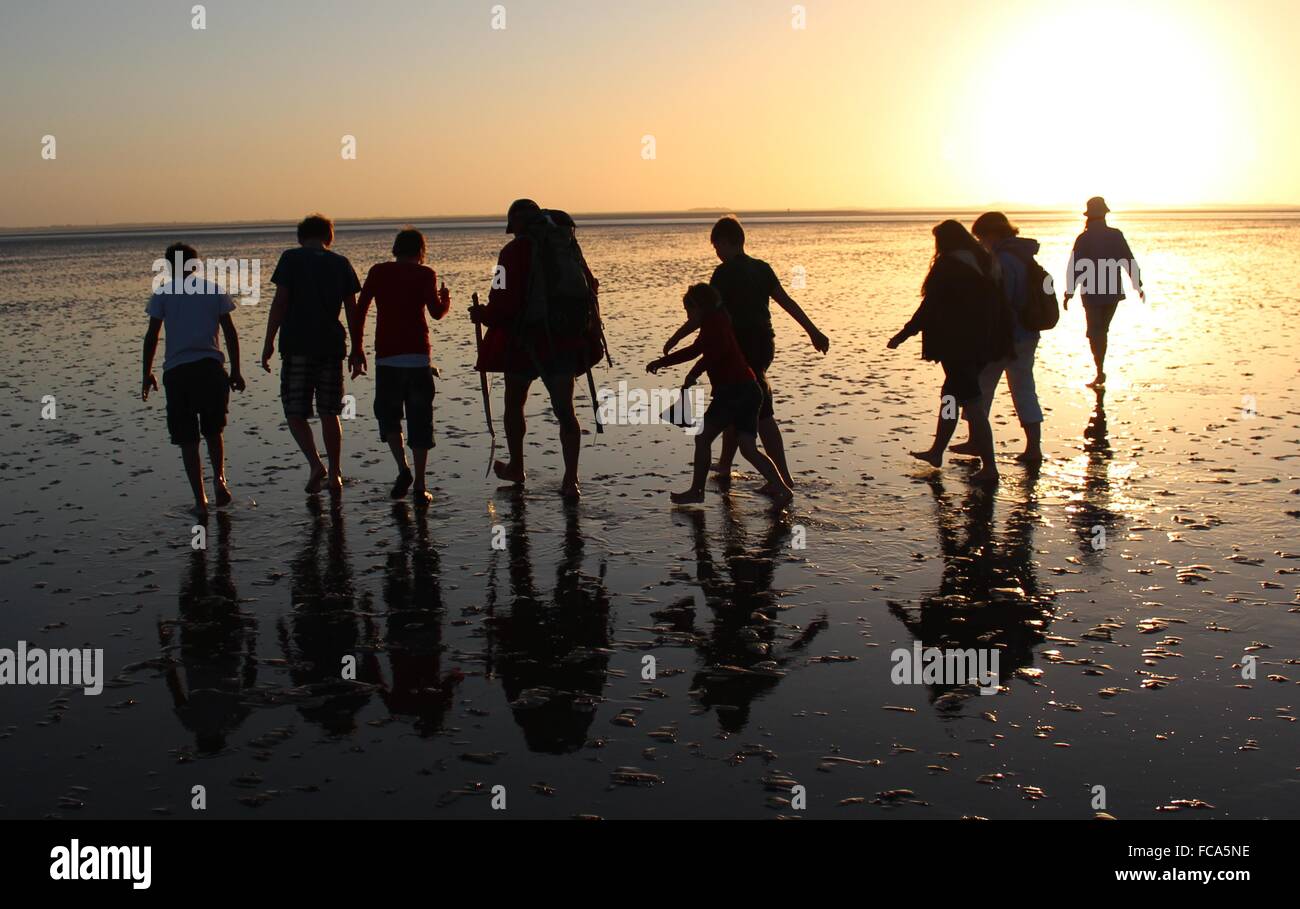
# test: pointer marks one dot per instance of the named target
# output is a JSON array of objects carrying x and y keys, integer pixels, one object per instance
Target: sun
[{"x": 1103, "y": 99}]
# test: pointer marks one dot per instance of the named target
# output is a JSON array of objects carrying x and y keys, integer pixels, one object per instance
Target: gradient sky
[{"x": 923, "y": 103}]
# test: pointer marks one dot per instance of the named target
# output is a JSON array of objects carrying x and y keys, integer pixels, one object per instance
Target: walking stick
[{"x": 483, "y": 387}]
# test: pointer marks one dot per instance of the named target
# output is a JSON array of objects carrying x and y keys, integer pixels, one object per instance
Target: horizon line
[{"x": 613, "y": 217}]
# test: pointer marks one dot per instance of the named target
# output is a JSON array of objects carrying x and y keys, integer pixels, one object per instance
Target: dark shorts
[
  {"x": 197, "y": 395},
  {"x": 759, "y": 350},
  {"x": 1099, "y": 316},
  {"x": 303, "y": 378},
  {"x": 961, "y": 381},
  {"x": 405, "y": 390},
  {"x": 735, "y": 405}
]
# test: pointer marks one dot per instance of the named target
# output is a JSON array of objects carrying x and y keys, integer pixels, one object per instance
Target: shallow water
[{"x": 522, "y": 667}]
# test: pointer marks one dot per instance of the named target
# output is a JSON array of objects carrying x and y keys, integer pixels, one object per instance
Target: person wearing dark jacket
[
  {"x": 961, "y": 329},
  {"x": 555, "y": 360},
  {"x": 1100, "y": 253},
  {"x": 1011, "y": 256}
]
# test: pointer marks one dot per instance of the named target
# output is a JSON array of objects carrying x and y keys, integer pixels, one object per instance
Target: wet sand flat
[{"x": 771, "y": 636}]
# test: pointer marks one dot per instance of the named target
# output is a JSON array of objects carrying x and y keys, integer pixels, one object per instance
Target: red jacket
[
  {"x": 501, "y": 350},
  {"x": 716, "y": 344}
]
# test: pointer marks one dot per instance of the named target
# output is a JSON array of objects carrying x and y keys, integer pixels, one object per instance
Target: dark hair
[
  {"x": 702, "y": 296},
  {"x": 316, "y": 227},
  {"x": 188, "y": 255},
  {"x": 409, "y": 242},
  {"x": 994, "y": 225},
  {"x": 728, "y": 228},
  {"x": 950, "y": 237}
]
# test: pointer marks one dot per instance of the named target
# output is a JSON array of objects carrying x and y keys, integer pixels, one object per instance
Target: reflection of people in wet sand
[
  {"x": 1090, "y": 514},
  {"x": 989, "y": 595},
  {"x": 1100, "y": 253},
  {"x": 413, "y": 639},
  {"x": 552, "y": 653},
  {"x": 961, "y": 329},
  {"x": 323, "y": 627},
  {"x": 739, "y": 652},
  {"x": 217, "y": 661}
]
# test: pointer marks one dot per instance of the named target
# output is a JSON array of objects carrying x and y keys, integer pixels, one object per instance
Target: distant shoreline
[{"x": 617, "y": 219}]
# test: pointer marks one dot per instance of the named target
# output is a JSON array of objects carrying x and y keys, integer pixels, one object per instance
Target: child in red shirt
[
  {"x": 403, "y": 291},
  {"x": 736, "y": 397}
]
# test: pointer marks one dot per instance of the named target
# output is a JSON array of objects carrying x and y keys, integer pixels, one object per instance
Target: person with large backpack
[
  {"x": 543, "y": 321},
  {"x": 1028, "y": 293}
]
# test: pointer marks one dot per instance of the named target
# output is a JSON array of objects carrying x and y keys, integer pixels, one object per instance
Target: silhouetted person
[
  {"x": 961, "y": 324},
  {"x": 312, "y": 284},
  {"x": 1100, "y": 253},
  {"x": 747, "y": 287},
  {"x": 217, "y": 662},
  {"x": 1012, "y": 255},
  {"x": 542, "y": 319},
  {"x": 1091, "y": 516}
]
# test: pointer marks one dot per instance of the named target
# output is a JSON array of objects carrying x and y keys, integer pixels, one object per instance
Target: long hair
[{"x": 950, "y": 237}]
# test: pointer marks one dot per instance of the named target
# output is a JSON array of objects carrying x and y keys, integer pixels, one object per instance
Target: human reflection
[
  {"x": 551, "y": 652},
  {"x": 740, "y": 658},
  {"x": 414, "y": 685},
  {"x": 217, "y": 663},
  {"x": 323, "y": 628},
  {"x": 1090, "y": 513},
  {"x": 989, "y": 595}
]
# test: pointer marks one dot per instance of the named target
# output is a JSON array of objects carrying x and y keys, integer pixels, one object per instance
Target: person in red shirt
[
  {"x": 736, "y": 397},
  {"x": 403, "y": 291}
]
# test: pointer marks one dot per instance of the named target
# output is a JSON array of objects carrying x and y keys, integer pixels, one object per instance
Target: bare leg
[
  {"x": 516, "y": 425},
  {"x": 1098, "y": 344},
  {"x": 331, "y": 430},
  {"x": 727, "y": 456},
  {"x": 770, "y": 433},
  {"x": 776, "y": 486},
  {"x": 421, "y": 456},
  {"x": 561, "y": 391},
  {"x": 700, "y": 470},
  {"x": 302, "y": 434},
  {"x": 982, "y": 435},
  {"x": 1033, "y": 452},
  {"x": 942, "y": 434},
  {"x": 404, "y": 478},
  {"x": 194, "y": 472},
  {"x": 217, "y": 455}
]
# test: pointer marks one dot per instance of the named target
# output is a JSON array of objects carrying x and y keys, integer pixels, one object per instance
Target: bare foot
[
  {"x": 403, "y": 482},
  {"x": 422, "y": 497},
  {"x": 1033, "y": 456},
  {"x": 721, "y": 468},
  {"x": 964, "y": 448},
  {"x": 689, "y": 497},
  {"x": 223, "y": 492},
  {"x": 985, "y": 476},
  {"x": 336, "y": 484},
  {"x": 1098, "y": 382},
  {"x": 508, "y": 472},
  {"x": 929, "y": 457},
  {"x": 569, "y": 490},
  {"x": 316, "y": 480},
  {"x": 723, "y": 480},
  {"x": 781, "y": 496},
  {"x": 765, "y": 489},
  {"x": 200, "y": 511}
]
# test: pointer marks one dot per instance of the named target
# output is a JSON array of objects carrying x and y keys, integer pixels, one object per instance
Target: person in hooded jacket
[
  {"x": 961, "y": 326},
  {"x": 1011, "y": 254}
]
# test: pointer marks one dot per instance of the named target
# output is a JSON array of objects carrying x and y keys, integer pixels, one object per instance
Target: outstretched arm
[
  {"x": 680, "y": 334},
  {"x": 694, "y": 375},
  {"x": 819, "y": 341},
  {"x": 356, "y": 329}
]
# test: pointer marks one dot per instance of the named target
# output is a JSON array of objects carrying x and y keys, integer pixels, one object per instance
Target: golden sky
[{"x": 925, "y": 103}]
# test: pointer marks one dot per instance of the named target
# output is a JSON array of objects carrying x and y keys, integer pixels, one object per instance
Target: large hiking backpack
[
  {"x": 1040, "y": 312},
  {"x": 559, "y": 302}
]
